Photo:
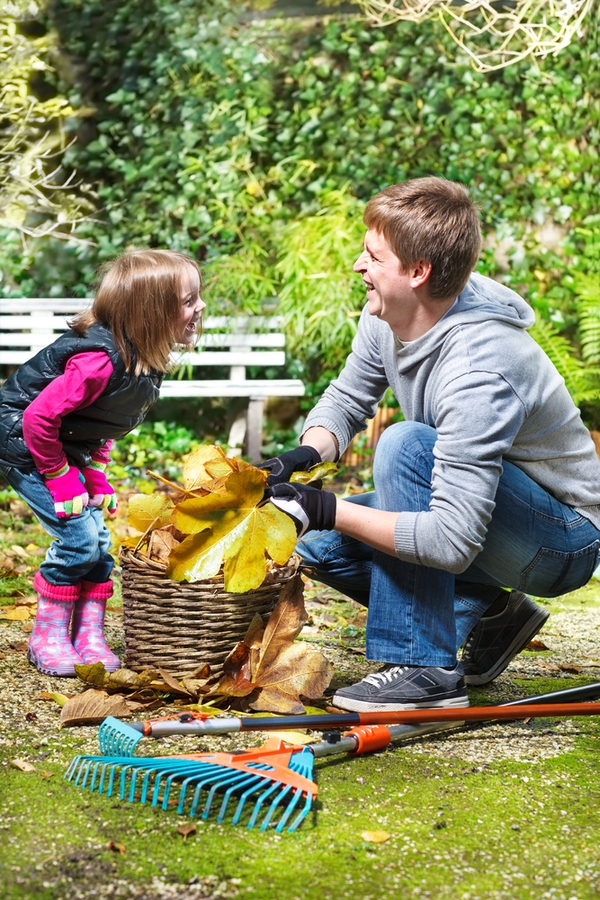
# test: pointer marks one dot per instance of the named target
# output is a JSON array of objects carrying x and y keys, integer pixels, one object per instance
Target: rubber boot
[
  {"x": 50, "y": 648},
  {"x": 87, "y": 629}
]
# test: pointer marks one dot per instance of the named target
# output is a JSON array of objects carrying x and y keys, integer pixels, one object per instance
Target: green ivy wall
[{"x": 236, "y": 140}]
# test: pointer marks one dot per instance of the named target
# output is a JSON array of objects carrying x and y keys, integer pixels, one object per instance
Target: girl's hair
[
  {"x": 139, "y": 299},
  {"x": 433, "y": 219}
]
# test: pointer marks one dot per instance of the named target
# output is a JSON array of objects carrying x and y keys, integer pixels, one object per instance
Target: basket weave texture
[{"x": 181, "y": 625}]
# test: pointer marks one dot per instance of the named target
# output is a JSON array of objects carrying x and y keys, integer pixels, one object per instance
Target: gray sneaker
[
  {"x": 405, "y": 687},
  {"x": 503, "y": 631}
]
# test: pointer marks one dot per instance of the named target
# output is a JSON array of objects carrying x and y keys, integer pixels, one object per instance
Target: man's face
[{"x": 386, "y": 283}]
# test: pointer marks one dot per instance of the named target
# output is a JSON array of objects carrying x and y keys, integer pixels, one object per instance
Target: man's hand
[
  {"x": 280, "y": 468},
  {"x": 308, "y": 507},
  {"x": 102, "y": 493},
  {"x": 68, "y": 491}
]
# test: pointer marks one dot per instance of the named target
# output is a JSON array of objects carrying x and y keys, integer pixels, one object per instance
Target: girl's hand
[
  {"x": 101, "y": 492},
  {"x": 68, "y": 492}
]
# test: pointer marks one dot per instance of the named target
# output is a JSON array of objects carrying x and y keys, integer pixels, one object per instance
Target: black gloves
[
  {"x": 309, "y": 508},
  {"x": 298, "y": 460}
]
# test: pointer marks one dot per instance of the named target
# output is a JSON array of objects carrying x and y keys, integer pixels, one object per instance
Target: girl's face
[{"x": 192, "y": 306}]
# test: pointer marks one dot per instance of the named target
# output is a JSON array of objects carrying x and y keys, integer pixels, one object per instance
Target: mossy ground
[{"x": 463, "y": 822}]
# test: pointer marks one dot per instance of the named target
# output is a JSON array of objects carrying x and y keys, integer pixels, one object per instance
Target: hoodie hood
[{"x": 482, "y": 300}]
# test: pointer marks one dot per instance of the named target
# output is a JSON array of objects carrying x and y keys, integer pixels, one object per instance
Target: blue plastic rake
[{"x": 277, "y": 780}]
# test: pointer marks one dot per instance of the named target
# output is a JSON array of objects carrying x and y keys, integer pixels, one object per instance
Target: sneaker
[
  {"x": 503, "y": 631},
  {"x": 405, "y": 687}
]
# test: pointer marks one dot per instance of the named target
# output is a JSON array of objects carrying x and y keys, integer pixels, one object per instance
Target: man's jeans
[
  {"x": 420, "y": 615},
  {"x": 81, "y": 543}
]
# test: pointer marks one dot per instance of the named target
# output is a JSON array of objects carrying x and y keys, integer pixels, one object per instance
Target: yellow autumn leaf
[
  {"x": 194, "y": 472},
  {"x": 320, "y": 472},
  {"x": 375, "y": 837},
  {"x": 241, "y": 491},
  {"x": 146, "y": 510},
  {"x": 229, "y": 527},
  {"x": 238, "y": 539},
  {"x": 15, "y": 614}
]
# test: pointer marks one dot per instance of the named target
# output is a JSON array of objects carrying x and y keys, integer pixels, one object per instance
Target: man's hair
[
  {"x": 139, "y": 299},
  {"x": 432, "y": 219}
]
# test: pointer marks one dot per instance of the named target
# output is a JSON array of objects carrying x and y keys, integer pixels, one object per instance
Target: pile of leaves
[
  {"x": 217, "y": 518},
  {"x": 268, "y": 671}
]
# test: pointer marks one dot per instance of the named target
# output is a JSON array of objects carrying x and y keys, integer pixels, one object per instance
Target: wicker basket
[{"x": 180, "y": 626}]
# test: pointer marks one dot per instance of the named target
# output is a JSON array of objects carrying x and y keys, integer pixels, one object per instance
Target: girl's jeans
[
  {"x": 80, "y": 547},
  {"x": 420, "y": 615}
]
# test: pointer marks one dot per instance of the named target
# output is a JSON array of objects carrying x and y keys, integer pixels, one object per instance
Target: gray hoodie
[{"x": 491, "y": 393}]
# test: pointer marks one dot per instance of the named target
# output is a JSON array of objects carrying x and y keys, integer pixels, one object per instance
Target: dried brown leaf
[
  {"x": 161, "y": 542},
  {"x": 116, "y": 847},
  {"x": 23, "y": 765},
  {"x": 186, "y": 830},
  {"x": 170, "y": 683},
  {"x": 272, "y": 670},
  {"x": 92, "y": 707}
]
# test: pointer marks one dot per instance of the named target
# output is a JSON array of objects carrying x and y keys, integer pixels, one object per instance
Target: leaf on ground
[
  {"x": 61, "y": 699},
  {"x": 272, "y": 670},
  {"x": 375, "y": 837},
  {"x": 186, "y": 830},
  {"x": 169, "y": 683},
  {"x": 15, "y": 613},
  {"x": 231, "y": 528},
  {"x": 536, "y": 645},
  {"x": 149, "y": 510},
  {"x": 92, "y": 707},
  {"x": 22, "y": 765},
  {"x": 119, "y": 680},
  {"x": 116, "y": 847}
]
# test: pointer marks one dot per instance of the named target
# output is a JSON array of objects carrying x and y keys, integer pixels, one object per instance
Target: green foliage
[
  {"x": 35, "y": 195},
  {"x": 254, "y": 143}
]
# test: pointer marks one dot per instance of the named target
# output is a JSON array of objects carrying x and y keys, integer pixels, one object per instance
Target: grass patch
[{"x": 501, "y": 829}]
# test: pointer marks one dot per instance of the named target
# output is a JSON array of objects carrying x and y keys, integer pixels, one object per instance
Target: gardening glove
[
  {"x": 102, "y": 493},
  {"x": 66, "y": 486},
  {"x": 298, "y": 460},
  {"x": 308, "y": 507}
]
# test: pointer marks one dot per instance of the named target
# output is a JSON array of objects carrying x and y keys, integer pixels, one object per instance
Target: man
[{"x": 490, "y": 488}]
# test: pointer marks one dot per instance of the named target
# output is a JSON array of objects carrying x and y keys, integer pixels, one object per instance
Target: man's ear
[{"x": 421, "y": 272}]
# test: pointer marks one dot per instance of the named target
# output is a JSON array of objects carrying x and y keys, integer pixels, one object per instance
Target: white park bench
[{"x": 27, "y": 325}]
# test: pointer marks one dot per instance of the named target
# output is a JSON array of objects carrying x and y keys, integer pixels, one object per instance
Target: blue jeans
[
  {"x": 81, "y": 543},
  {"x": 420, "y": 615}
]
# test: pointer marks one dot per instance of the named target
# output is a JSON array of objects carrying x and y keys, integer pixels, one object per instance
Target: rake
[
  {"x": 275, "y": 777},
  {"x": 117, "y": 738}
]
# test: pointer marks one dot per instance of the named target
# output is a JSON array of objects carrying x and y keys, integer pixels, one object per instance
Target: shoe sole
[
  {"x": 365, "y": 706},
  {"x": 66, "y": 671},
  {"x": 527, "y": 633}
]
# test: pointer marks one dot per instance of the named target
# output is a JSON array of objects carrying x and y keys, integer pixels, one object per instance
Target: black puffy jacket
[{"x": 118, "y": 410}]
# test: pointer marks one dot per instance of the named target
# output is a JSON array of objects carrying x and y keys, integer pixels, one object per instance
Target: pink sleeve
[
  {"x": 85, "y": 377},
  {"x": 103, "y": 454}
]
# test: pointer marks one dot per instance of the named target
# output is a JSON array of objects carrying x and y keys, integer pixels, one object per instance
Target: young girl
[{"x": 59, "y": 415}]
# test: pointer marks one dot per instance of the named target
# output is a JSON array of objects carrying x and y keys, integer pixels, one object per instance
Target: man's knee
[{"x": 404, "y": 444}]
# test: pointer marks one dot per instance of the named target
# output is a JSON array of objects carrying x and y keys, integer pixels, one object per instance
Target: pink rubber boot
[
  {"x": 87, "y": 630},
  {"x": 50, "y": 648}
]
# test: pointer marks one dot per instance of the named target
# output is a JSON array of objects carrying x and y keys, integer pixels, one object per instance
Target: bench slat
[{"x": 287, "y": 387}]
